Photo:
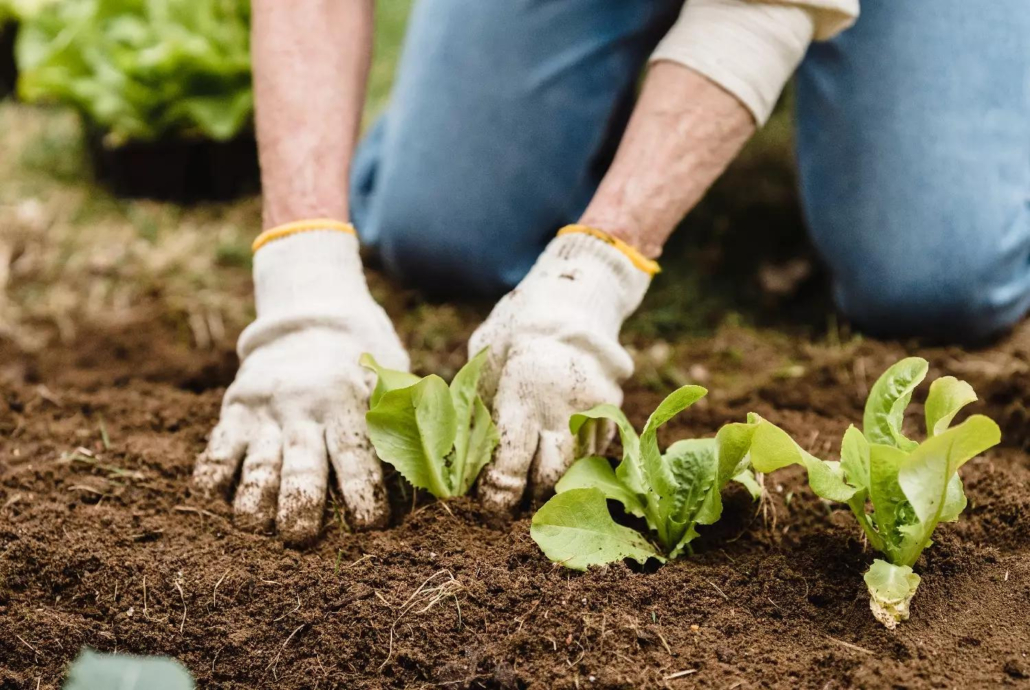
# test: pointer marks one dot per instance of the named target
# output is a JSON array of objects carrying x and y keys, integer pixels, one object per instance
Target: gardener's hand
[
  {"x": 299, "y": 399},
  {"x": 554, "y": 351}
]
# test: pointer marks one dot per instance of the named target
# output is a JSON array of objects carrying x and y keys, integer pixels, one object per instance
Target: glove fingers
[
  {"x": 304, "y": 478},
  {"x": 217, "y": 465},
  {"x": 553, "y": 456},
  {"x": 359, "y": 473},
  {"x": 504, "y": 481},
  {"x": 258, "y": 492}
]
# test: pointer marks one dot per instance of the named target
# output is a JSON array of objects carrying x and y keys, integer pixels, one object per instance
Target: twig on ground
[
  {"x": 522, "y": 619},
  {"x": 275, "y": 661},
  {"x": 22, "y": 640},
  {"x": 854, "y": 647},
  {"x": 214, "y": 592},
  {"x": 367, "y": 555},
  {"x": 191, "y": 509},
  {"x": 665, "y": 643},
  {"x": 468, "y": 680},
  {"x": 178, "y": 586},
  {"x": 716, "y": 587},
  {"x": 87, "y": 489},
  {"x": 297, "y": 608},
  {"x": 680, "y": 674}
]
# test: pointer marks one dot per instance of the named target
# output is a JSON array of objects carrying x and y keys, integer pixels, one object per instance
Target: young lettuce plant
[
  {"x": 437, "y": 436},
  {"x": 673, "y": 492},
  {"x": 911, "y": 486}
]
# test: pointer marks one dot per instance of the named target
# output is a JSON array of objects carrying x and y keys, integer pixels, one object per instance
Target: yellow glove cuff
[
  {"x": 648, "y": 266},
  {"x": 287, "y": 229}
]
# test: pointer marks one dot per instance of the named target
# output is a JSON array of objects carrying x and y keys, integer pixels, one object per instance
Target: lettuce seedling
[
  {"x": 437, "y": 436},
  {"x": 673, "y": 492},
  {"x": 910, "y": 486}
]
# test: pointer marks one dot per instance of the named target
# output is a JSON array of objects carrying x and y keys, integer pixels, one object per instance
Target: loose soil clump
[{"x": 102, "y": 544}]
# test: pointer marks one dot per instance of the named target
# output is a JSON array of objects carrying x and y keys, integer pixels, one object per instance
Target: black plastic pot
[
  {"x": 179, "y": 170},
  {"x": 8, "y": 69}
]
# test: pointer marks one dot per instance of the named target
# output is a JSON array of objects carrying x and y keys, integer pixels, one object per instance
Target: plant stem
[{"x": 858, "y": 509}]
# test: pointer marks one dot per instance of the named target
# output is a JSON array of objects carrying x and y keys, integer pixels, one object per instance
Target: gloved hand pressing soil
[
  {"x": 554, "y": 350},
  {"x": 300, "y": 397}
]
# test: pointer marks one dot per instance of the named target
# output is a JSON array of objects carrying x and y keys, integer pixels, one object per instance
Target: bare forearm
[
  {"x": 311, "y": 61},
  {"x": 684, "y": 131}
]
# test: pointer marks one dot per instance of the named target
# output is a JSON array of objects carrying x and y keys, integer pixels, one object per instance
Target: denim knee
[
  {"x": 914, "y": 178},
  {"x": 965, "y": 293},
  {"x": 452, "y": 246}
]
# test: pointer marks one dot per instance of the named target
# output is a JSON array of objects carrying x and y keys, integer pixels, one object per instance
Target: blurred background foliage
[{"x": 141, "y": 69}]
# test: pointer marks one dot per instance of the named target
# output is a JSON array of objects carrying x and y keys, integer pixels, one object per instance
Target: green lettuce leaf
[
  {"x": 954, "y": 501},
  {"x": 772, "y": 449},
  {"x": 747, "y": 479},
  {"x": 947, "y": 396},
  {"x": 575, "y": 529},
  {"x": 629, "y": 470},
  {"x": 483, "y": 440},
  {"x": 890, "y": 507},
  {"x": 413, "y": 429},
  {"x": 386, "y": 379},
  {"x": 595, "y": 472},
  {"x": 926, "y": 473},
  {"x": 659, "y": 481},
  {"x": 732, "y": 446},
  {"x": 477, "y": 436},
  {"x": 694, "y": 465},
  {"x": 890, "y": 395},
  {"x": 854, "y": 459},
  {"x": 927, "y": 477},
  {"x": 438, "y": 437}
]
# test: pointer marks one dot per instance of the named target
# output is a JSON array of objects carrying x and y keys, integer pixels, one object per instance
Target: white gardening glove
[
  {"x": 300, "y": 397},
  {"x": 554, "y": 351}
]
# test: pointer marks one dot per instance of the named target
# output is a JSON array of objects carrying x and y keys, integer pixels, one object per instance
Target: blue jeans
[{"x": 913, "y": 149}]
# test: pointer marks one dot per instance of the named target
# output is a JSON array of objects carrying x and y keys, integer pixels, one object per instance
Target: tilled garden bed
[{"x": 102, "y": 544}]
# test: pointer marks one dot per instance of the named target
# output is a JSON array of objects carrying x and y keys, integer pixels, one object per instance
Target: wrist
[
  {"x": 316, "y": 272},
  {"x": 275, "y": 213},
  {"x": 582, "y": 276},
  {"x": 624, "y": 226}
]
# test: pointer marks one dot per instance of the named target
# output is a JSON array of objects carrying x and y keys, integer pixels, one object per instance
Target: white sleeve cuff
[{"x": 750, "y": 49}]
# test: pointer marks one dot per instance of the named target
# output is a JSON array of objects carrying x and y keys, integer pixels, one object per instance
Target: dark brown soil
[{"x": 107, "y": 548}]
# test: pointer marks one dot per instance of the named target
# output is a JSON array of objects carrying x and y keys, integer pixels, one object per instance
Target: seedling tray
[
  {"x": 178, "y": 170},
  {"x": 8, "y": 68}
]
